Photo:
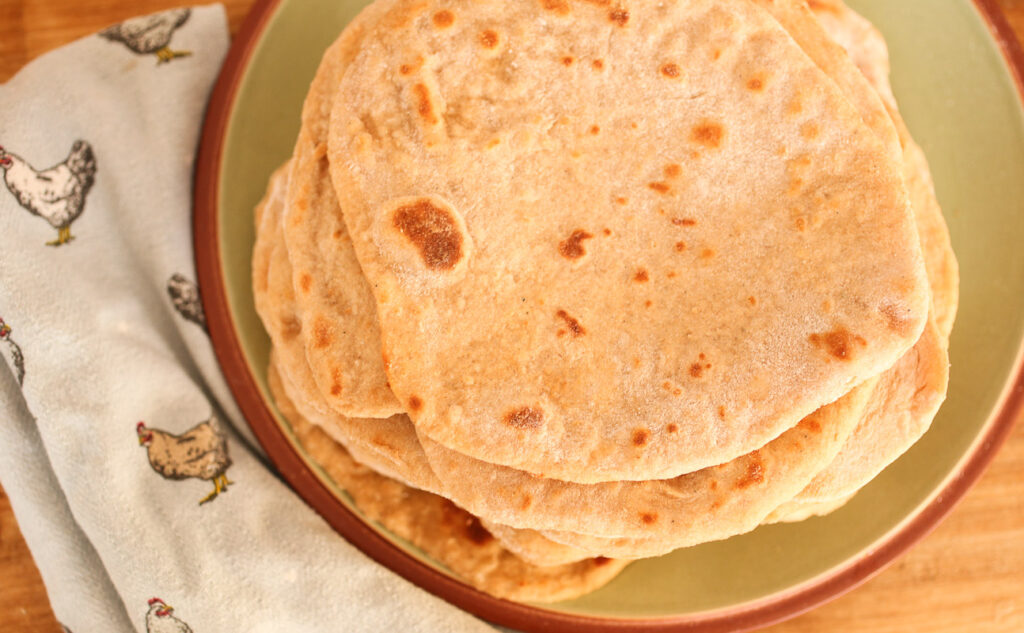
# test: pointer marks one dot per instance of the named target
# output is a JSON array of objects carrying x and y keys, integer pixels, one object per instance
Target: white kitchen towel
[{"x": 116, "y": 420}]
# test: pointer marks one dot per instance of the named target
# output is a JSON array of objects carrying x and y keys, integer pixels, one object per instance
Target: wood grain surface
[{"x": 965, "y": 577}]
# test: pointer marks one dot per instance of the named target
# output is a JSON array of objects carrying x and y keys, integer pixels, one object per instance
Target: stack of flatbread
[{"x": 553, "y": 285}]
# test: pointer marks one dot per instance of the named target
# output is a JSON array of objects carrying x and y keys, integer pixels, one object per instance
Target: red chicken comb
[
  {"x": 153, "y": 601},
  {"x": 139, "y": 427}
]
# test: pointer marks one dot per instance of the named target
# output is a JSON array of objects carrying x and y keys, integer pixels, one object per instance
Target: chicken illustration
[
  {"x": 185, "y": 298},
  {"x": 150, "y": 34},
  {"x": 160, "y": 620},
  {"x": 57, "y": 194},
  {"x": 12, "y": 353},
  {"x": 200, "y": 453}
]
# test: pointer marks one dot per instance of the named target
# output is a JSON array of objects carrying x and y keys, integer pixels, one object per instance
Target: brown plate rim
[{"x": 313, "y": 491}]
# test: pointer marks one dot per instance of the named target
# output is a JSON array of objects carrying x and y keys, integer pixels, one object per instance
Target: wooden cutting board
[{"x": 966, "y": 577}]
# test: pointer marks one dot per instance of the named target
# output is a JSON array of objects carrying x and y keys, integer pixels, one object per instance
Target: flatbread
[
  {"x": 906, "y": 399},
  {"x": 390, "y": 446},
  {"x": 737, "y": 496},
  {"x": 471, "y": 335},
  {"x": 448, "y": 535},
  {"x": 867, "y": 49},
  {"x": 331, "y": 291}
]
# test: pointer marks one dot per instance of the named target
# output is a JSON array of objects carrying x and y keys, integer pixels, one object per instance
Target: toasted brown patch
[
  {"x": 673, "y": 170},
  {"x": 322, "y": 336},
  {"x": 649, "y": 518},
  {"x": 433, "y": 231},
  {"x": 572, "y": 246},
  {"x": 488, "y": 38},
  {"x": 680, "y": 246},
  {"x": 424, "y": 106},
  {"x": 754, "y": 473},
  {"x": 707, "y": 253},
  {"x": 708, "y": 134},
  {"x": 721, "y": 412},
  {"x": 672, "y": 428},
  {"x": 618, "y": 16},
  {"x": 574, "y": 325},
  {"x": 800, "y": 224},
  {"x": 684, "y": 222},
  {"x": 335, "y": 389},
  {"x": 595, "y": 129},
  {"x": 337, "y": 234},
  {"x": 755, "y": 84},
  {"x": 896, "y": 321},
  {"x": 621, "y": 200},
  {"x": 660, "y": 187},
  {"x": 568, "y": 60},
  {"x": 597, "y": 64},
  {"x": 810, "y": 130},
  {"x": 713, "y": 485},
  {"x": 648, "y": 303},
  {"x": 670, "y": 70},
  {"x": 524, "y": 418},
  {"x": 817, "y": 5},
  {"x": 305, "y": 282},
  {"x": 716, "y": 54},
  {"x": 839, "y": 343},
  {"x": 752, "y": 301},
  {"x": 559, "y": 7},
  {"x": 641, "y": 437},
  {"x": 443, "y": 19},
  {"x": 606, "y": 232},
  {"x": 291, "y": 326},
  {"x": 601, "y": 561},
  {"x": 641, "y": 276},
  {"x": 415, "y": 404},
  {"x": 810, "y": 423},
  {"x": 696, "y": 370},
  {"x": 526, "y": 502}
]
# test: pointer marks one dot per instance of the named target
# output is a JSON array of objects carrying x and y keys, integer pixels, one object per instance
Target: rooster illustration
[
  {"x": 57, "y": 194},
  {"x": 160, "y": 620},
  {"x": 200, "y": 453},
  {"x": 150, "y": 34},
  {"x": 10, "y": 350},
  {"x": 185, "y": 298}
]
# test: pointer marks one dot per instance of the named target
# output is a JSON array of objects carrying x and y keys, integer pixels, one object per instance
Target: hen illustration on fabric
[
  {"x": 11, "y": 352},
  {"x": 199, "y": 453},
  {"x": 150, "y": 34},
  {"x": 159, "y": 619},
  {"x": 184, "y": 296},
  {"x": 56, "y": 194}
]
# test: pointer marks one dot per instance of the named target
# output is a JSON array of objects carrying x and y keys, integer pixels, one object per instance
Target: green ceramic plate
[{"x": 958, "y": 95}]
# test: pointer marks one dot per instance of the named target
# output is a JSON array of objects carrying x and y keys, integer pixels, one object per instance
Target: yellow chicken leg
[
  {"x": 217, "y": 489},
  {"x": 63, "y": 237},
  {"x": 165, "y": 55},
  {"x": 227, "y": 482}
]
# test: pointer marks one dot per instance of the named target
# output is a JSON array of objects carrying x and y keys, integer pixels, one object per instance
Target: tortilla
[
  {"x": 448, "y": 535},
  {"x": 521, "y": 334},
  {"x": 388, "y": 446},
  {"x": 331, "y": 291}
]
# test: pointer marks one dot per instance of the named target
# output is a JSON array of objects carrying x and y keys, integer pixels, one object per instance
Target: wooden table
[{"x": 966, "y": 577}]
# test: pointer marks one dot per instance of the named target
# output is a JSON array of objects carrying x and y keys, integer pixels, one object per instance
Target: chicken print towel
[{"x": 116, "y": 421}]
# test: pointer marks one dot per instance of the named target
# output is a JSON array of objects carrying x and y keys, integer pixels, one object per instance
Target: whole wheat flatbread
[
  {"x": 908, "y": 395},
  {"x": 331, "y": 292},
  {"x": 512, "y": 350},
  {"x": 448, "y": 535},
  {"x": 387, "y": 446}
]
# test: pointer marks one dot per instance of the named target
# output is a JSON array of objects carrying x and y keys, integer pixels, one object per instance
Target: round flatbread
[
  {"x": 445, "y": 533},
  {"x": 478, "y": 187}
]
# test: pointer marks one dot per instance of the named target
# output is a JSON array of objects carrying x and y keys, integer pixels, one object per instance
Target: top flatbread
[{"x": 556, "y": 223}]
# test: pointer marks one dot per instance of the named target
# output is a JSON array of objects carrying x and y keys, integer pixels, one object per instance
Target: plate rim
[{"x": 783, "y": 605}]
